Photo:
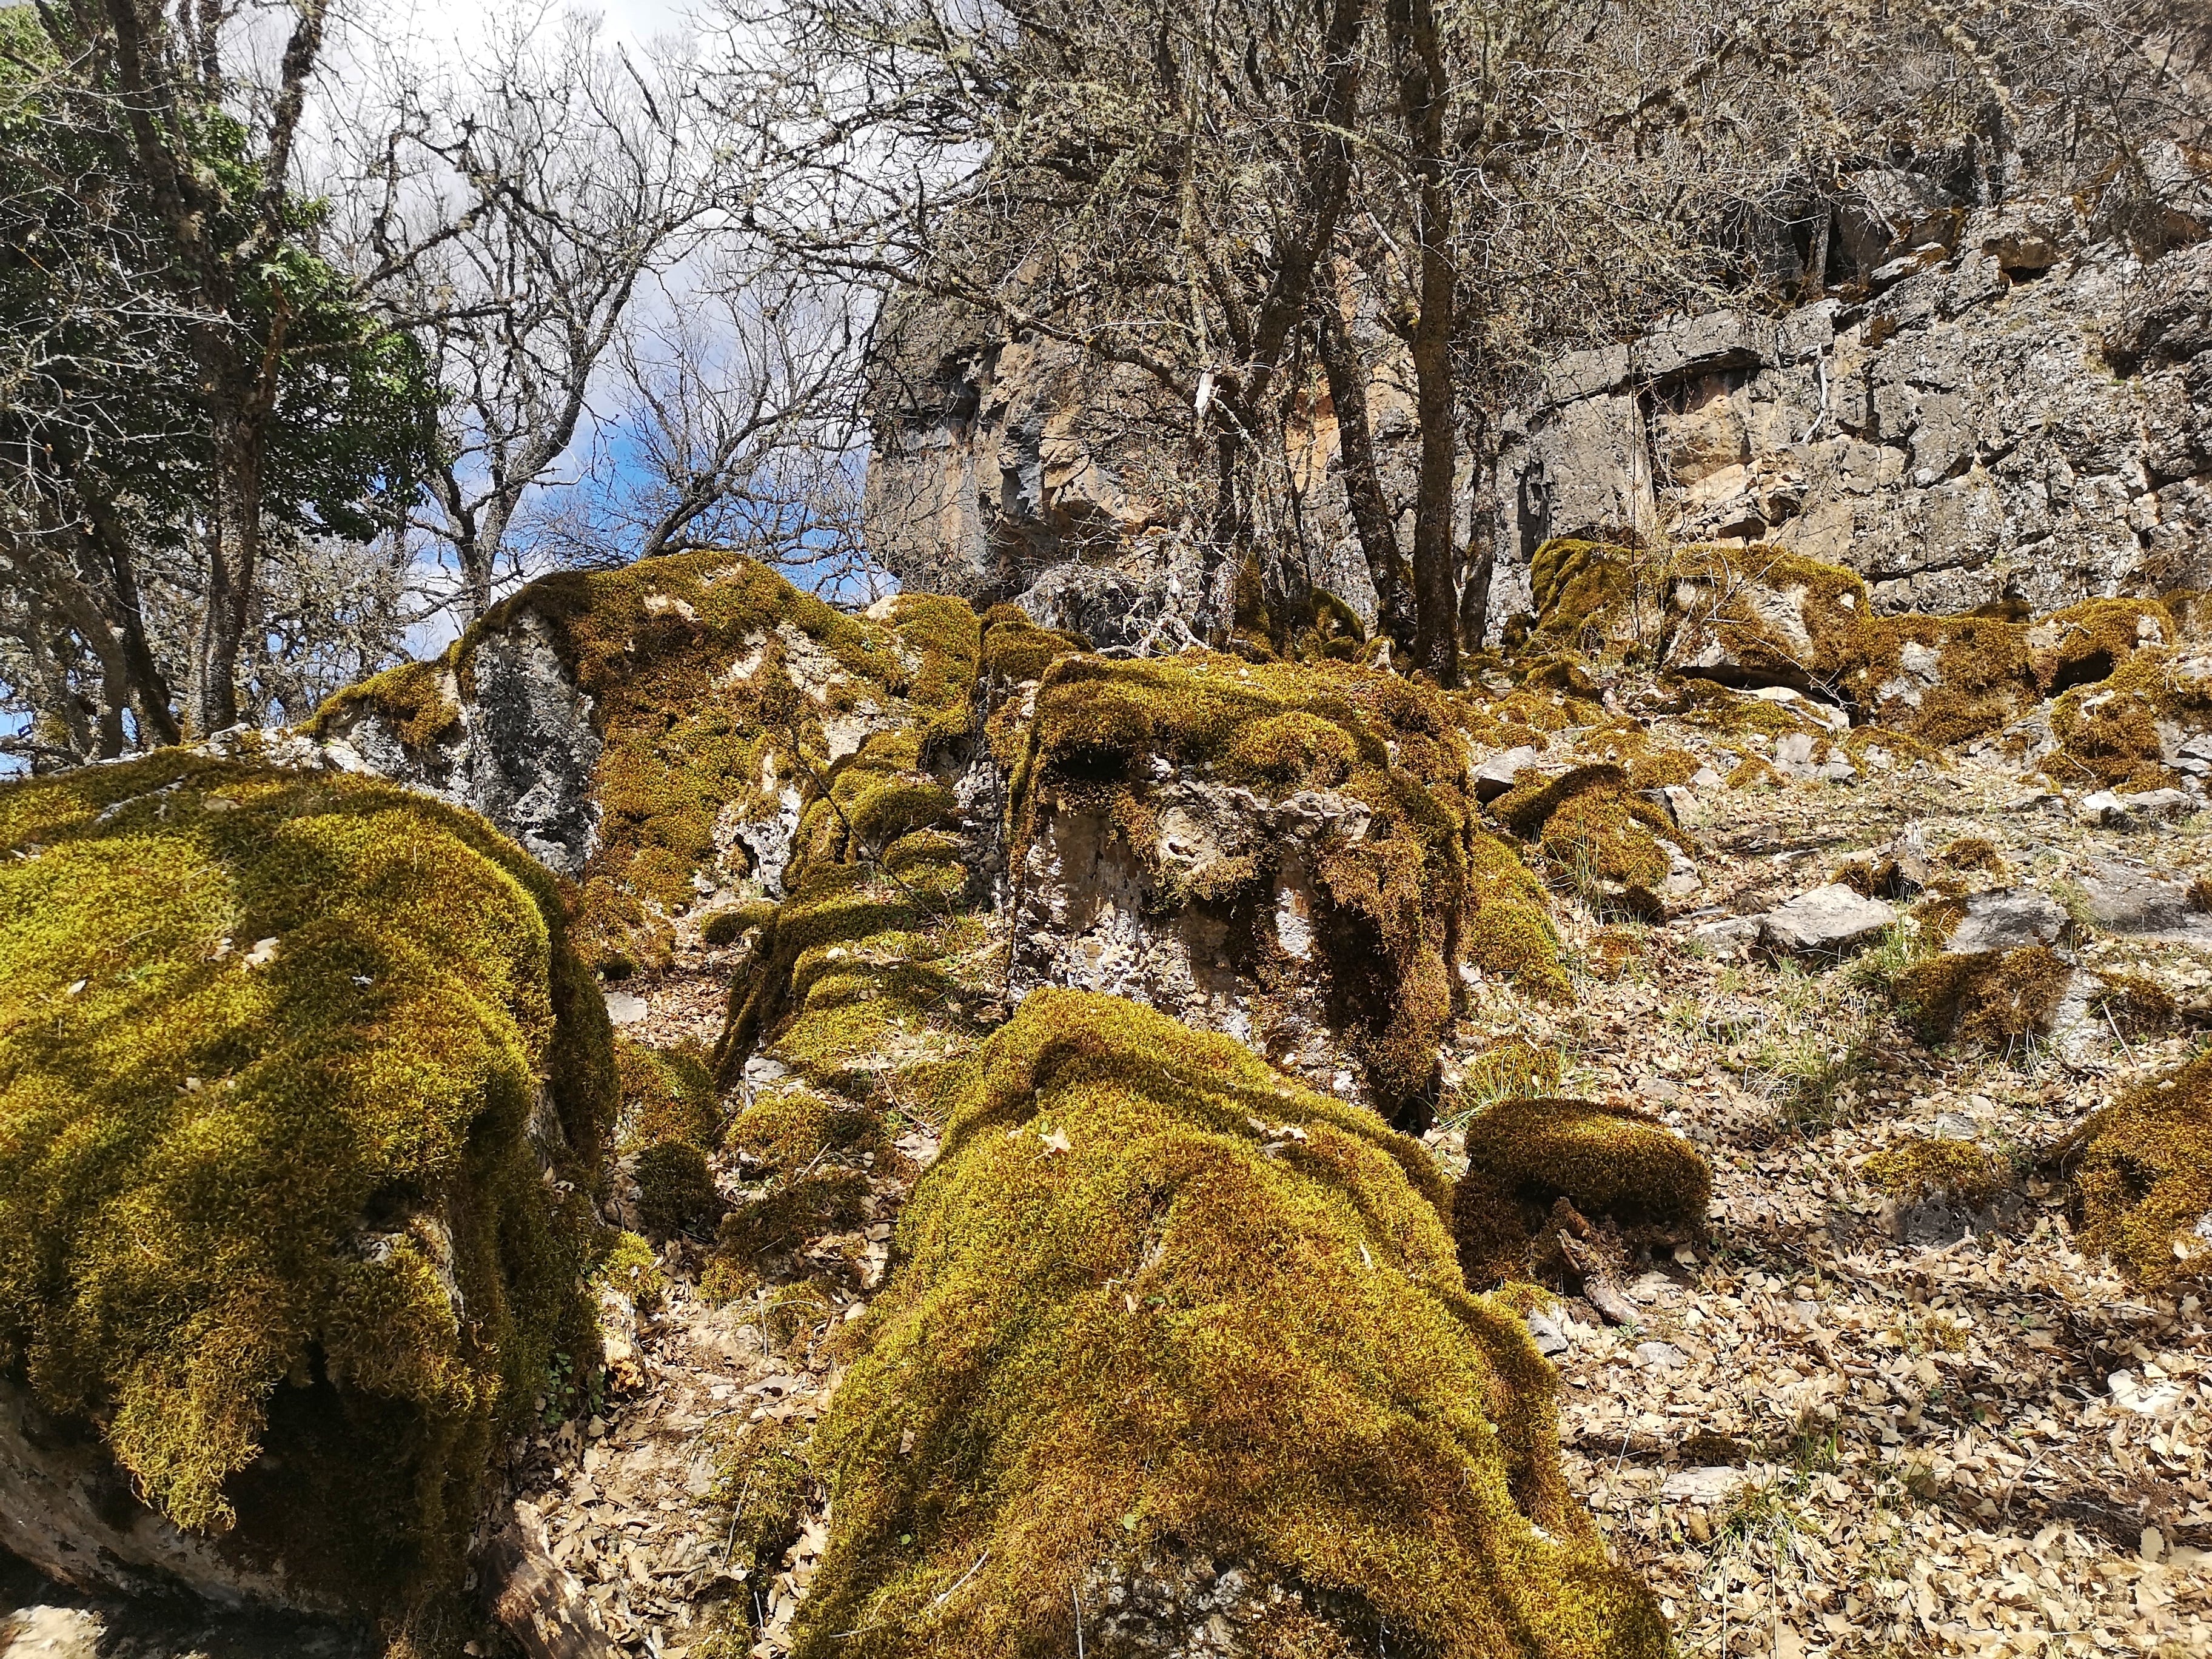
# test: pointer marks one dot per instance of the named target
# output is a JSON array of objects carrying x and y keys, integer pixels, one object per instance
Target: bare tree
[
  {"x": 1154, "y": 183},
  {"x": 508, "y": 221},
  {"x": 730, "y": 406}
]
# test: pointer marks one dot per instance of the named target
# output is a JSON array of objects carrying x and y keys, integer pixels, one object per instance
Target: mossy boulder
[
  {"x": 2142, "y": 1173},
  {"x": 1306, "y": 829},
  {"x": 1607, "y": 1161},
  {"x": 653, "y": 730},
  {"x": 1921, "y": 1168},
  {"x": 1153, "y": 1302},
  {"x": 1985, "y": 996},
  {"x": 1764, "y": 616},
  {"x": 2121, "y": 731},
  {"x": 1595, "y": 827},
  {"x": 303, "y": 1100}
]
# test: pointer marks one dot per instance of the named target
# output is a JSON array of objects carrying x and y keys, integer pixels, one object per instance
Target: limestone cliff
[{"x": 1998, "y": 403}]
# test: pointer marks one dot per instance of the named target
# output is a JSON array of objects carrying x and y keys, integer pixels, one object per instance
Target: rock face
[
  {"x": 1976, "y": 430},
  {"x": 519, "y": 747},
  {"x": 2003, "y": 407}
]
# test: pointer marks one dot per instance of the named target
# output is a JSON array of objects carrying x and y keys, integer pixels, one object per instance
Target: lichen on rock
[{"x": 304, "y": 1097}]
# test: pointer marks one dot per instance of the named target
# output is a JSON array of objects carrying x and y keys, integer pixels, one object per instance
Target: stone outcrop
[
  {"x": 291, "y": 1226},
  {"x": 1999, "y": 403},
  {"x": 2020, "y": 416}
]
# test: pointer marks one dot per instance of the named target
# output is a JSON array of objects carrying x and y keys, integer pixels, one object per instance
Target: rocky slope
[{"x": 1787, "y": 1009}]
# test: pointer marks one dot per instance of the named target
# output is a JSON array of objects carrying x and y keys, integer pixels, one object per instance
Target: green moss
[
  {"x": 676, "y": 1190},
  {"x": 630, "y": 1268},
  {"x": 1918, "y": 1168},
  {"x": 1591, "y": 823},
  {"x": 1580, "y": 585},
  {"x": 1511, "y": 933},
  {"x": 1975, "y": 853},
  {"x": 2141, "y": 1171},
  {"x": 761, "y": 1477},
  {"x": 732, "y": 922},
  {"x": 1297, "y": 748},
  {"x": 413, "y": 696},
  {"x": 686, "y": 739},
  {"x": 1156, "y": 1300},
  {"x": 1015, "y": 649},
  {"x": 2134, "y": 1006},
  {"x": 271, "y": 1049},
  {"x": 667, "y": 1094},
  {"x": 2108, "y": 733},
  {"x": 1610, "y": 1161},
  {"x": 1983, "y": 996}
]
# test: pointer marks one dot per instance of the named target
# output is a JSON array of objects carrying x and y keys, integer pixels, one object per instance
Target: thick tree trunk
[
  {"x": 1362, "y": 482},
  {"x": 233, "y": 559},
  {"x": 1423, "y": 92}
]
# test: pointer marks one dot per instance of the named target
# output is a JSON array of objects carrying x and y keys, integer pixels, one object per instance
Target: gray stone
[
  {"x": 2007, "y": 918},
  {"x": 2160, "y": 804},
  {"x": 1661, "y": 1356},
  {"x": 624, "y": 1008},
  {"x": 1825, "y": 921},
  {"x": 1494, "y": 776},
  {"x": 2102, "y": 806},
  {"x": 1546, "y": 1331},
  {"x": 2128, "y": 897},
  {"x": 1934, "y": 1218},
  {"x": 1118, "y": 613},
  {"x": 1731, "y": 936}
]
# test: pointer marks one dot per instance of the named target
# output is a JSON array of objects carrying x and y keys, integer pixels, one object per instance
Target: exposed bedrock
[{"x": 1997, "y": 405}]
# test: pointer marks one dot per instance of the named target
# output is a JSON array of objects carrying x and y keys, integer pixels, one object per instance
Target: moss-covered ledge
[
  {"x": 302, "y": 1098},
  {"x": 1158, "y": 1312}
]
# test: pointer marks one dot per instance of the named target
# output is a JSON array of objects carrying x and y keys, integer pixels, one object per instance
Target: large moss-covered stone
[
  {"x": 302, "y": 1099},
  {"x": 1163, "y": 1323}
]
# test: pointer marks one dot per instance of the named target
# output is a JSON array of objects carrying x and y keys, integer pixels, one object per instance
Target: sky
[{"x": 633, "y": 21}]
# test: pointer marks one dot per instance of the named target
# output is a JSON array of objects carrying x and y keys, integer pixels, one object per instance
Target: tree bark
[
  {"x": 1362, "y": 482},
  {"x": 1423, "y": 94},
  {"x": 1326, "y": 171}
]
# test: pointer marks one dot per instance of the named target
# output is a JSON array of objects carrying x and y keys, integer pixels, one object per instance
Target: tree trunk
[
  {"x": 1478, "y": 556},
  {"x": 149, "y": 689},
  {"x": 1363, "y": 484},
  {"x": 1423, "y": 93},
  {"x": 234, "y": 563}
]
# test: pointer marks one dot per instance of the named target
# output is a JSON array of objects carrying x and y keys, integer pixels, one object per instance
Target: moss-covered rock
[
  {"x": 1309, "y": 826},
  {"x": 1983, "y": 996},
  {"x": 1610, "y": 1161},
  {"x": 1155, "y": 1302},
  {"x": 1921, "y": 1168},
  {"x": 1764, "y": 616},
  {"x": 303, "y": 1098},
  {"x": 2142, "y": 1172},
  {"x": 2120, "y": 730},
  {"x": 1593, "y": 826},
  {"x": 715, "y": 691}
]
